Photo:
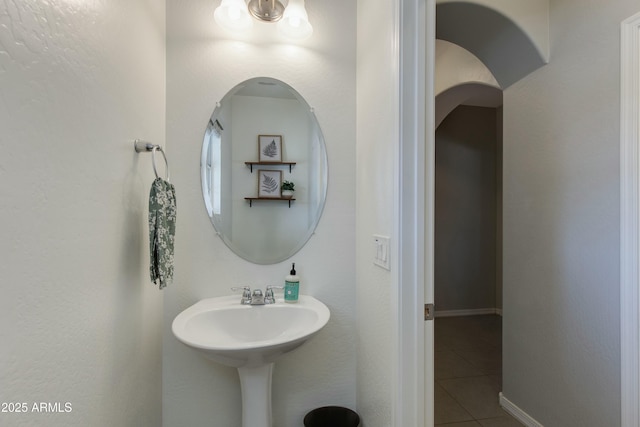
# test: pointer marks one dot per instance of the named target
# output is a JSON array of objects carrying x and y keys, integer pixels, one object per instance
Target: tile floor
[{"x": 468, "y": 372}]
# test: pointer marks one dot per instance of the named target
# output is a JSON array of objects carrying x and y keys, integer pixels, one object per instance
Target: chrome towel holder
[{"x": 145, "y": 147}]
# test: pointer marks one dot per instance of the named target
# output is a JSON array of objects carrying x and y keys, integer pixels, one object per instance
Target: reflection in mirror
[{"x": 263, "y": 230}]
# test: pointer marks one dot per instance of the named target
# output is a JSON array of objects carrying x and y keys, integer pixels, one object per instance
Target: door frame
[
  {"x": 414, "y": 359},
  {"x": 415, "y": 41},
  {"x": 630, "y": 221}
]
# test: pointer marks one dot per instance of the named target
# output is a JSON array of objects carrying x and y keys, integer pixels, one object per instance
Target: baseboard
[
  {"x": 517, "y": 413},
  {"x": 469, "y": 312}
]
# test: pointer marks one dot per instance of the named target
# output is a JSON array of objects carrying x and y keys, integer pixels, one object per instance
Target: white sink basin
[{"x": 249, "y": 336}]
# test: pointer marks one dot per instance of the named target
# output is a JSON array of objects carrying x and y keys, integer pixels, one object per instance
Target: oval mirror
[{"x": 260, "y": 135}]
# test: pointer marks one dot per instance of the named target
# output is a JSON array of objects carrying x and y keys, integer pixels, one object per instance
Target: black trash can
[{"x": 332, "y": 416}]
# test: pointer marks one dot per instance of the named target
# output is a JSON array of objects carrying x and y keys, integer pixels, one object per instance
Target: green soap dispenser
[{"x": 291, "y": 285}]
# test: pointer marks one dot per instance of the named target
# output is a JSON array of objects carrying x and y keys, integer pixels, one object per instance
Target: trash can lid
[{"x": 332, "y": 416}]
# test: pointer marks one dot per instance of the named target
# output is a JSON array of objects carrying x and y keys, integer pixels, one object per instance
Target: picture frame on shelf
[
  {"x": 270, "y": 148},
  {"x": 269, "y": 183}
]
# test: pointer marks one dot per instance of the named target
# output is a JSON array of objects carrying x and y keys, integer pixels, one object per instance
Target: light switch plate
[{"x": 381, "y": 251}]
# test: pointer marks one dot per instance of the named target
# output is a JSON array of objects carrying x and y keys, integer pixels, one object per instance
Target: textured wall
[
  {"x": 79, "y": 320},
  {"x": 377, "y": 136},
  {"x": 465, "y": 210},
  {"x": 203, "y": 63},
  {"x": 561, "y": 223}
]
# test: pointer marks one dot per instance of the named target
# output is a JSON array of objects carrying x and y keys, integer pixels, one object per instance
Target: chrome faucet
[
  {"x": 269, "y": 297},
  {"x": 256, "y": 297},
  {"x": 246, "y": 294}
]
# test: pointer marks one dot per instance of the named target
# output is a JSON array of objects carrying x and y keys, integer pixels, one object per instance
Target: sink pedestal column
[{"x": 255, "y": 384}]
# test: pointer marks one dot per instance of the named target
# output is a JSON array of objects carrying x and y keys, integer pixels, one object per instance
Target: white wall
[
  {"x": 531, "y": 16},
  {"x": 204, "y": 62},
  {"x": 461, "y": 78},
  {"x": 510, "y": 37},
  {"x": 561, "y": 223},
  {"x": 377, "y": 136},
  {"x": 80, "y": 321},
  {"x": 465, "y": 247}
]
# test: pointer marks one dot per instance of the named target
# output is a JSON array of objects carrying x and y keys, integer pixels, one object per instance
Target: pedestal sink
[{"x": 250, "y": 338}]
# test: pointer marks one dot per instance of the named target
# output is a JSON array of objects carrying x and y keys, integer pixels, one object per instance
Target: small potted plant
[{"x": 287, "y": 189}]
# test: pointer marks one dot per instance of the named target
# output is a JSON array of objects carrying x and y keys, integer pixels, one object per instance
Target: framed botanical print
[
  {"x": 269, "y": 183},
  {"x": 270, "y": 148}
]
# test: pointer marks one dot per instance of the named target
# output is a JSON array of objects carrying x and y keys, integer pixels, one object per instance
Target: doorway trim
[
  {"x": 630, "y": 221},
  {"x": 415, "y": 30}
]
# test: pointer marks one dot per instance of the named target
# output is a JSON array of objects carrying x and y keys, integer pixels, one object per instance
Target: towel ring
[
  {"x": 153, "y": 161},
  {"x": 142, "y": 146}
]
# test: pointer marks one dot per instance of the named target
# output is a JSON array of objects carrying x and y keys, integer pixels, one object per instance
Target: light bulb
[
  {"x": 233, "y": 15},
  {"x": 295, "y": 21}
]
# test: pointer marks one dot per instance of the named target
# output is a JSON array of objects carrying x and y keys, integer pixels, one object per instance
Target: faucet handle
[
  {"x": 246, "y": 293},
  {"x": 269, "y": 297}
]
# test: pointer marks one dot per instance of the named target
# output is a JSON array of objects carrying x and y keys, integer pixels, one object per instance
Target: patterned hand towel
[{"x": 162, "y": 229}]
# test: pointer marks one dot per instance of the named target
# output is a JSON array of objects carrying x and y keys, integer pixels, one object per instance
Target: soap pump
[{"x": 291, "y": 285}]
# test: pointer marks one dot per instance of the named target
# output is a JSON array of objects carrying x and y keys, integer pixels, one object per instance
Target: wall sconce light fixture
[{"x": 292, "y": 20}]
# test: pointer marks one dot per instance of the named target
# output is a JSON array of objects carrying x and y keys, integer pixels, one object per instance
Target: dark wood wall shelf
[
  {"x": 251, "y": 164},
  {"x": 274, "y": 199}
]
